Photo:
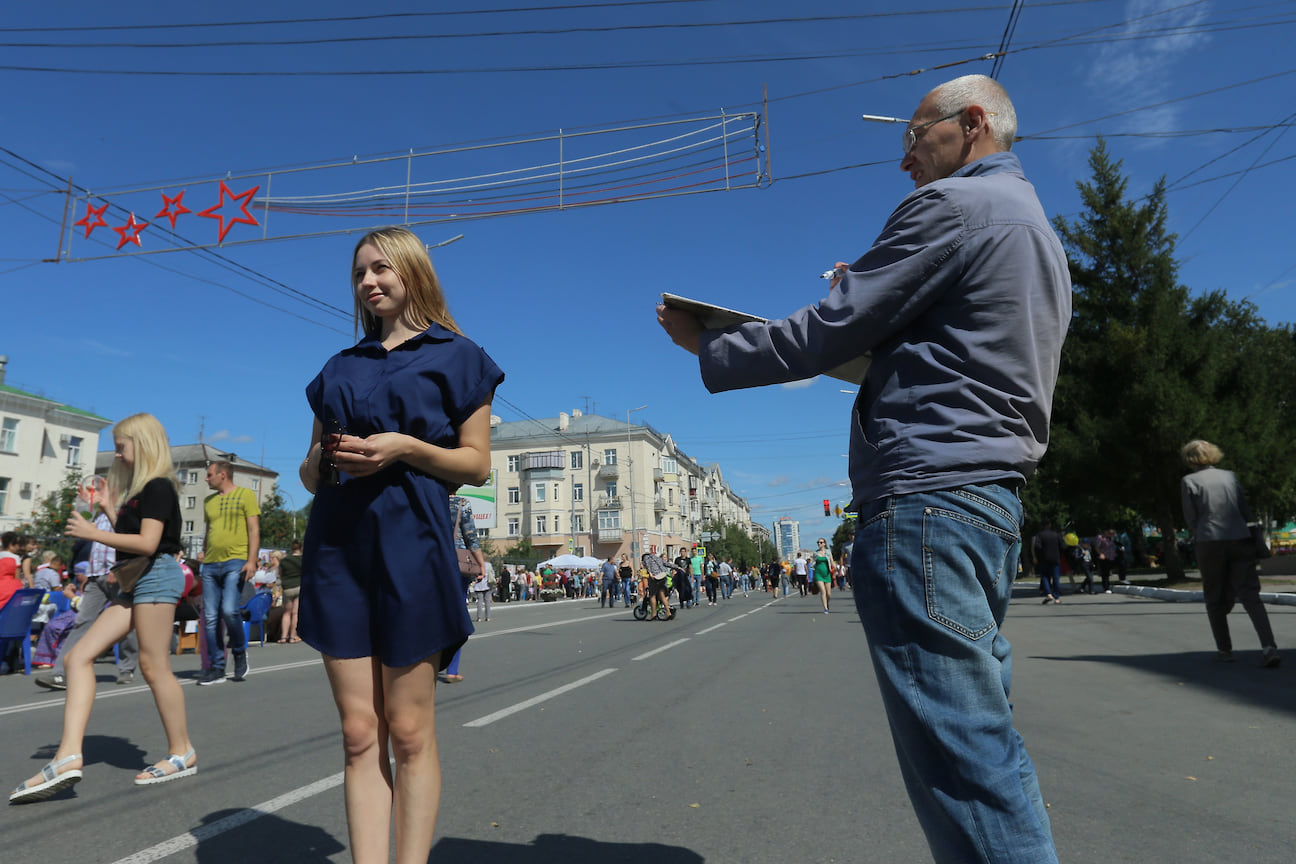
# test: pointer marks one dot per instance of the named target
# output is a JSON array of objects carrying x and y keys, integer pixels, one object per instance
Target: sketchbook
[{"x": 719, "y": 318}]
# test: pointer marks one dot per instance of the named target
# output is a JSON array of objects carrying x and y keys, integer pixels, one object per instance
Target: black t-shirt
[{"x": 157, "y": 500}]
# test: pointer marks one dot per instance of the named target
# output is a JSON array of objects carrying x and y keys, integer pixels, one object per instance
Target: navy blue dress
[{"x": 379, "y": 572}]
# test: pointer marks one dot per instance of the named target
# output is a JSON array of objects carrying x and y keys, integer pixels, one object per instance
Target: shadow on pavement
[
  {"x": 1243, "y": 680},
  {"x": 101, "y": 750},
  {"x": 265, "y": 839},
  {"x": 560, "y": 849}
]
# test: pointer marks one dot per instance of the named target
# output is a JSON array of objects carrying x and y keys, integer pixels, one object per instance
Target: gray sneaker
[
  {"x": 240, "y": 667},
  {"x": 50, "y": 681},
  {"x": 212, "y": 676},
  {"x": 127, "y": 677}
]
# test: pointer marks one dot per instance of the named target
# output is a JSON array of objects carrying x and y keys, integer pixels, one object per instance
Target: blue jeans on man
[
  {"x": 934, "y": 574},
  {"x": 221, "y": 594}
]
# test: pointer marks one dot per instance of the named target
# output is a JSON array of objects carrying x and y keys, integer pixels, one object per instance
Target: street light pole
[{"x": 634, "y": 536}]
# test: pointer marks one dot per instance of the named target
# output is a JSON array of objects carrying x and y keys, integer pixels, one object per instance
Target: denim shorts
[{"x": 163, "y": 583}]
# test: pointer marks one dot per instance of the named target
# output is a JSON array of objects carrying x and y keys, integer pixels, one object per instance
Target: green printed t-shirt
[{"x": 227, "y": 515}]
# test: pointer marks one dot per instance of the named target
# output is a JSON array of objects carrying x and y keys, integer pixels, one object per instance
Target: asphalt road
[{"x": 746, "y": 732}]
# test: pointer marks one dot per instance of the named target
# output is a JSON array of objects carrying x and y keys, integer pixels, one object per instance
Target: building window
[
  {"x": 669, "y": 465},
  {"x": 609, "y": 520},
  {"x": 256, "y": 484},
  {"x": 513, "y": 526},
  {"x": 189, "y": 526},
  {"x": 556, "y": 528},
  {"x": 513, "y": 462},
  {"x": 4, "y": 494},
  {"x": 556, "y": 487},
  {"x": 191, "y": 502},
  {"x": 578, "y": 523},
  {"x": 193, "y": 477},
  {"x": 578, "y": 492},
  {"x": 539, "y": 492},
  {"x": 514, "y": 495},
  {"x": 670, "y": 496},
  {"x": 578, "y": 459},
  {"x": 74, "y": 452},
  {"x": 611, "y": 489},
  {"x": 672, "y": 524},
  {"x": 9, "y": 435},
  {"x": 542, "y": 524},
  {"x": 609, "y": 456}
]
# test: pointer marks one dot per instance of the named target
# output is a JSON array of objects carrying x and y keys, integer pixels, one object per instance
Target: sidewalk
[{"x": 1191, "y": 595}]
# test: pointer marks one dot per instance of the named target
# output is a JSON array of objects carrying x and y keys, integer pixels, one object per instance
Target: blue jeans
[
  {"x": 933, "y": 576},
  {"x": 220, "y": 583}
]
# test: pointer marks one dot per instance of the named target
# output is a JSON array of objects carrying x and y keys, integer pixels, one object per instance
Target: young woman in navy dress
[{"x": 401, "y": 419}]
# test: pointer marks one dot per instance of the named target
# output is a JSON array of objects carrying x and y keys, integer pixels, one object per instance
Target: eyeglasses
[{"x": 911, "y": 134}]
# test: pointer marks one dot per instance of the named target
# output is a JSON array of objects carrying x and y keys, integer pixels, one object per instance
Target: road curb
[{"x": 1175, "y": 595}]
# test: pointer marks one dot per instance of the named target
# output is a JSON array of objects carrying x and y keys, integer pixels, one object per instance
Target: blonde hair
[
  {"x": 152, "y": 458},
  {"x": 407, "y": 256},
  {"x": 1200, "y": 454}
]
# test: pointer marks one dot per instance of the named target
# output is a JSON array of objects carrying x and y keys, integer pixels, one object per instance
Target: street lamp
[{"x": 634, "y": 537}]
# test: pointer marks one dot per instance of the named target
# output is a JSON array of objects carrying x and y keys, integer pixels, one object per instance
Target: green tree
[
  {"x": 1147, "y": 367},
  {"x": 50, "y": 518},
  {"x": 280, "y": 526},
  {"x": 731, "y": 541}
]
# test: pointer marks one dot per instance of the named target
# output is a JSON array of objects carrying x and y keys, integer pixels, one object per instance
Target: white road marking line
[
  {"x": 737, "y": 618},
  {"x": 206, "y": 832},
  {"x": 543, "y": 697},
  {"x": 661, "y": 649},
  {"x": 709, "y": 629},
  {"x": 143, "y": 688},
  {"x": 481, "y": 635}
]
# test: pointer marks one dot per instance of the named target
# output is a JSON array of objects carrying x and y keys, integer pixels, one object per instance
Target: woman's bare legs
[
  {"x": 825, "y": 594},
  {"x": 153, "y": 626},
  {"x": 377, "y": 703},
  {"x": 357, "y": 692},
  {"x": 78, "y": 668},
  {"x": 410, "y": 694}
]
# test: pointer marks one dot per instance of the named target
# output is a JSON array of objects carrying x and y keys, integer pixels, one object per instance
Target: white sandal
[
  {"x": 158, "y": 775},
  {"x": 54, "y": 782}
]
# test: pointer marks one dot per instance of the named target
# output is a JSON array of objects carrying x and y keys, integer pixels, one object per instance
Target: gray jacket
[
  {"x": 964, "y": 300},
  {"x": 1214, "y": 505}
]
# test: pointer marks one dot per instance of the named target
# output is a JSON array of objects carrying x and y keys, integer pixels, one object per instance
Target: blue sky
[{"x": 1196, "y": 92}]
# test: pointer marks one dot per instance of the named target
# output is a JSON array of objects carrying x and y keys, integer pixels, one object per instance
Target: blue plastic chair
[
  {"x": 16, "y": 622},
  {"x": 255, "y": 611},
  {"x": 60, "y": 601}
]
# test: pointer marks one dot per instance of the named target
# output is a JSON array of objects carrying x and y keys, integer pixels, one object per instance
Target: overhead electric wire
[{"x": 1013, "y": 15}]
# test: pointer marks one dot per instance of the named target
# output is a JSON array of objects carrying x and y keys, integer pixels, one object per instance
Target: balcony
[
  {"x": 658, "y": 476},
  {"x": 659, "y": 504},
  {"x": 610, "y": 535},
  {"x": 609, "y": 472},
  {"x": 610, "y": 502}
]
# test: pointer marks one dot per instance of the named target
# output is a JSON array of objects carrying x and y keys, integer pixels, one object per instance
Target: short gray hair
[{"x": 962, "y": 93}]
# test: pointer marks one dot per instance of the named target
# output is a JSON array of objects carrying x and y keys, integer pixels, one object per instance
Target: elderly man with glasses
[{"x": 964, "y": 301}]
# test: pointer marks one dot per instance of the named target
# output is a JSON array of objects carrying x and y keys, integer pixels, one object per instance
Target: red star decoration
[
  {"x": 97, "y": 212},
  {"x": 130, "y": 231},
  {"x": 244, "y": 199},
  {"x": 167, "y": 203}
]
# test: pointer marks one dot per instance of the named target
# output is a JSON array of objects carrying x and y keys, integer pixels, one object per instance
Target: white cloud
[
  {"x": 780, "y": 480},
  {"x": 1146, "y": 67},
  {"x": 799, "y": 385},
  {"x": 219, "y": 436}
]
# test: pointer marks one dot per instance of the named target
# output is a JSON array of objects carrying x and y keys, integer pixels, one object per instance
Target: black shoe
[
  {"x": 240, "y": 667},
  {"x": 1271, "y": 658},
  {"x": 51, "y": 681},
  {"x": 212, "y": 676}
]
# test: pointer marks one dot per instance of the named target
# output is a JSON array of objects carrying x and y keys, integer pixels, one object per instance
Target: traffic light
[{"x": 827, "y": 508}]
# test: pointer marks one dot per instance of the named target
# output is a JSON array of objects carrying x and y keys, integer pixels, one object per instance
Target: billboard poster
[{"x": 482, "y": 499}]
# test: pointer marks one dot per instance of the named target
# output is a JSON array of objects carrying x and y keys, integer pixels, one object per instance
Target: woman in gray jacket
[{"x": 1217, "y": 513}]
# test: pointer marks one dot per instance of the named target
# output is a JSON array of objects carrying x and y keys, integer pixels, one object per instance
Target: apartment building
[
  {"x": 41, "y": 441},
  {"x": 600, "y": 486}
]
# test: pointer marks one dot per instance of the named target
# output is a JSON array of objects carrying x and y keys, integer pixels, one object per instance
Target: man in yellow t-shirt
[{"x": 229, "y": 560}]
